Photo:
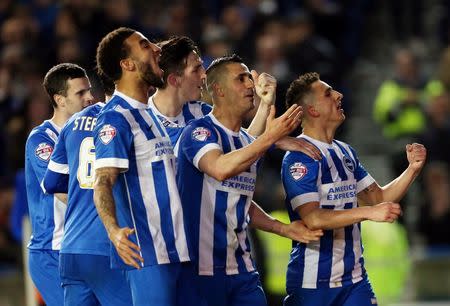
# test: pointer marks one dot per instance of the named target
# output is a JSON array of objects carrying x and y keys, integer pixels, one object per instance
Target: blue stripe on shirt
[
  {"x": 163, "y": 197},
  {"x": 220, "y": 237}
]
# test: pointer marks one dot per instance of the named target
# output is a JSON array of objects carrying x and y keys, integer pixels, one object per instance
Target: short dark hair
[
  {"x": 55, "y": 81},
  {"x": 174, "y": 52},
  {"x": 300, "y": 88},
  {"x": 215, "y": 69},
  {"x": 110, "y": 51}
]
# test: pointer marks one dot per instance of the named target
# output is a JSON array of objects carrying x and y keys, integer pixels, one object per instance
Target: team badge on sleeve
[
  {"x": 298, "y": 171},
  {"x": 107, "y": 133},
  {"x": 44, "y": 151},
  {"x": 201, "y": 133}
]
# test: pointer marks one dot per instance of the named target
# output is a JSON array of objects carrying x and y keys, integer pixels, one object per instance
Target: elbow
[
  {"x": 313, "y": 223},
  {"x": 221, "y": 174}
]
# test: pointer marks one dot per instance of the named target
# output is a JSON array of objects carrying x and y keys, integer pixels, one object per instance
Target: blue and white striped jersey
[
  {"x": 46, "y": 211},
  {"x": 216, "y": 213},
  {"x": 336, "y": 259},
  {"x": 129, "y": 136},
  {"x": 71, "y": 171},
  {"x": 174, "y": 125}
]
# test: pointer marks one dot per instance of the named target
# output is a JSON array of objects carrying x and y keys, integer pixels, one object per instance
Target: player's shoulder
[
  {"x": 294, "y": 156},
  {"x": 204, "y": 121},
  {"x": 93, "y": 110},
  {"x": 110, "y": 114},
  {"x": 41, "y": 141},
  {"x": 45, "y": 131},
  {"x": 345, "y": 146},
  {"x": 200, "y": 107},
  {"x": 199, "y": 129}
]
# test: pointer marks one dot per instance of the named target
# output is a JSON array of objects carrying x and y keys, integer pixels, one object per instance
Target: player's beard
[{"x": 148, "y": 75}]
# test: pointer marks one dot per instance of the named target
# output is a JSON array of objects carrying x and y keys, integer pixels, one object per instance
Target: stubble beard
[{"x": 149, "y": 76}]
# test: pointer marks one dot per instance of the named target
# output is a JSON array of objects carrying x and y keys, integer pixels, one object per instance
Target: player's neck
[
  {"x": 135, "y": 90},
  {"x": 227, "y": 118},
  {"x": 320, "y": 134},
  {"x": 168, "y": 103},
  {"x": 59, "y": 117}
]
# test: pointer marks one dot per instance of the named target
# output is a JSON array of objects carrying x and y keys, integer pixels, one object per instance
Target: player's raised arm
[{"x": 396, "y": 189}]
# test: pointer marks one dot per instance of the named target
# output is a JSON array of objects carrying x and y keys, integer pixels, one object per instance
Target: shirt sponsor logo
[
  {"x": 342, "y": 192},
  {"x": 349, "y": 164},
  {"x": 107, "y": 133},
  {"x": 201, "y": 134},
  {"x": 298, "y": 171},
  {"x": 240, "y": 183},
  {"x": 44, "y": 151}
]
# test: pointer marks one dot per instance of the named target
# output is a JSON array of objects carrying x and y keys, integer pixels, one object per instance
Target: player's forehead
[
  {"x": 193, "y": 60},
  {"x": 236, "y": 69},
  {"x": 136, "y": 40},
  {"x": 77, "y": 84},
  {"x": 320, "y": 86}
]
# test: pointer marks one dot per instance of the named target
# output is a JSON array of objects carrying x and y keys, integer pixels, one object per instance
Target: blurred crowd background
[{"x": 390, "y": 59}]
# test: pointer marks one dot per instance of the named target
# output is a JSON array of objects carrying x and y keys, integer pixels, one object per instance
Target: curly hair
[
  {"x": 300, "y": 88},
  {"x": 110, "y": 51}
]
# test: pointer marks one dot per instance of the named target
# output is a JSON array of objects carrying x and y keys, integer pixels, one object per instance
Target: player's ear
[
  {"x": 218, "y": 90},
  {"x": 173, "y": 80},
  {"x": 59, "y": 100},
  {"x": 127, "y": 64},
  {"x": 311, "y": 110}
]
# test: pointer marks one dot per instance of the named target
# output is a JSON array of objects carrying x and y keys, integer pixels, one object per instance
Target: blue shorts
[
  {"x": 88, "y": 280},
  {"x": 358, "y": 294},
  {"x": 172, "y": 284},
  {"x": 43, "y": 265},
  {"x": 232, "y": 290}
]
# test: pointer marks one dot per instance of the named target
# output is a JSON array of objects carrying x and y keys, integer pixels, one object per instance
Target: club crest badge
[
  {"x": 298, "y": 171},
  {"x": 349, "y": 164},
  {"x": 201, "y": 134},
  {"x": 107, "y": 133},
  {"x": 44, "y": 151}
]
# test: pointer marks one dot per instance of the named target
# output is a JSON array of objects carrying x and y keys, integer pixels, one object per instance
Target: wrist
[{"x": 278, "y": 228}]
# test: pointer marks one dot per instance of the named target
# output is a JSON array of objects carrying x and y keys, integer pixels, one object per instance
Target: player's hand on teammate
[
  {"x": 298, "y": 231},
  {"x": 416, "y": 154},
  {"x": 385, "y": 212},
  {"x": 265, "y": 87},
  {"x": 277, "y": 128},
  {"x": 300, "y": 145},
  {"x": 128, "y": 251}
]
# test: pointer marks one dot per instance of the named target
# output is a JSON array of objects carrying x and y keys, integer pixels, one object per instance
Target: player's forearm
[
  {"x": 259, "y": 219},
  {"x": 258, "y": 124},
  {"x": 331, "y": 219},
  {"x": 233, "y": 163},
  {"x": 104, "y": 203},
  {"x": 396, "y": 190}
]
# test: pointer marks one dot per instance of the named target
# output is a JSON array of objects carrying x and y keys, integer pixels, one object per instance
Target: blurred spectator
[
  {"x": 435, "y": 211},
  {"x": 399, "y": 105},
  {"x": 443, "y": 70},
  {"x": 307, "y": 51},
  {"x": 215, "y": 43},
  {"x": 269, "y": 58}
]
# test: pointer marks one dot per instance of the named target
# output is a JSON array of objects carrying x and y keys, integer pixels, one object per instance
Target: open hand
[{"x": 128, "y": 251}]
